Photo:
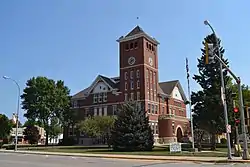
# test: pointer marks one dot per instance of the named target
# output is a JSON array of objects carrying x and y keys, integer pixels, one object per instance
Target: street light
[
  {"x": 17, "y": 112},
  {"x": 222, "y": 90}
]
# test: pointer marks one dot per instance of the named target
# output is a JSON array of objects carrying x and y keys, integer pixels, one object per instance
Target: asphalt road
[{"x": 25, "y": 160}]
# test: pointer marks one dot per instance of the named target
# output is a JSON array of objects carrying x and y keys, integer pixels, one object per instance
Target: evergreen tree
[
  {"x": 131, "y": 130},
  {"x": 208, "y": 108}
]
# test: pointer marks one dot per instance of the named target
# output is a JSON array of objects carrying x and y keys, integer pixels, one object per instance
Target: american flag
[{"x": 187, "y": 68}]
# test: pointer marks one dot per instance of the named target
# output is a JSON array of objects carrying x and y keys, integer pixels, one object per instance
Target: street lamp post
[
  {"x": 222, "y": 90},
  {"x": 18, "y": 105}
]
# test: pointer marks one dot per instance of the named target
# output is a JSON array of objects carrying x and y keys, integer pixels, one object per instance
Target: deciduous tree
[
  {"x": 44, "y": 99},
  {"x": 5, "y": 126},
  {"x": 31, "y": 134}
]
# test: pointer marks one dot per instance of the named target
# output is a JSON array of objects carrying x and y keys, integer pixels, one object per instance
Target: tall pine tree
[
  {"x": 131, "y": 130},
  {"x": 208, "y": 108}
]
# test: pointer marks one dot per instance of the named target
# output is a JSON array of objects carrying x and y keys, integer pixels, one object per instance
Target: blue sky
[{"x": 76, "y": 40}]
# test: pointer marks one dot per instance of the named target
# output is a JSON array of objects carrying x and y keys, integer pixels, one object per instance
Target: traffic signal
[
  {"x": 209, "y": 53},
  {"x": 236, "y": 110},
  {"x": 237, "y": 122}
]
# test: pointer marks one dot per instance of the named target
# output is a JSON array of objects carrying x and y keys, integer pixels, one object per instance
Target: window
[
  {"x": 132, "y": 96},
  {"x": 131, "y": 85},
  {"x": 153, "y": 108},
  {"x": 100, "y": 111},
  {"x": 105, "y": 113},
  {"x": 153, "y": 48},
  {"x": 147, "y": 44},
  {"x": 163, "y": 110},
  {"x": 126, "y": 47},
  {"x": 100, "y": 97},
  {"x": 137, "y": 73},
  {"x": 131, "y": 74},
  {"x": 156, "y": 129},
  {"x": 138, "y": 84},
  {"x": 131, "y": 45},
  {"x": 74, "y": 104},
  {"x": 126, "y": 75},
  {"x": 126, "y": 97},
  {"x": 114, "y": 109},
  {"x": 147, "y": 73},
  {"x": 156, "y": 109},
  {"x": 151, "y": 76},
  {"x": 154, "y": 81},
  {"x": 95, "y": 98},
  {"x": 105, "y": 96},
  {"x": 136, "y": 45},
  {"x": 138, "y": 96},
  {"x": 149, "y": 108},
  {"x": 95, "y": 111},
  {"x": 126, "y": 86}
]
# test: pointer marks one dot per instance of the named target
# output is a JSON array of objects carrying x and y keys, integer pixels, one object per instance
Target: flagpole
[{"x": 191, "y": 115}]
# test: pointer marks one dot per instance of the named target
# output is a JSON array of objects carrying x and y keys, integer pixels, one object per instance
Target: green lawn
[{"x": 156, "y": 152}]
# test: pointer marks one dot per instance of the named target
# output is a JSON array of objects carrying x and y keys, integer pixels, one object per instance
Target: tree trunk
[
  {"x": 47, "y": 137},
  {"x": 213, "y": 142}
]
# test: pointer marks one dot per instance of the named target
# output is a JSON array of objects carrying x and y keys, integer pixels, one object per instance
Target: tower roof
[{"x": 137, "y": 32}]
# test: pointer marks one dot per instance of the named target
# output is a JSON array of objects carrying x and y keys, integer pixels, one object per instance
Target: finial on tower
[{"x": 137, "y": 18}]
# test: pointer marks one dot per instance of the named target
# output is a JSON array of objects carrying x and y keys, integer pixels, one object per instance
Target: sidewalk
[{"x": 138, "y": 157}]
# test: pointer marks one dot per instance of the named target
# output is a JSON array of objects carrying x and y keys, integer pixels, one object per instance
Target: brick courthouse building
[{"x": 139, "y": 80}]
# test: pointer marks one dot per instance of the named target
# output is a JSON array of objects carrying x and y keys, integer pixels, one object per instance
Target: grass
[{"x": 157, "y": 151}]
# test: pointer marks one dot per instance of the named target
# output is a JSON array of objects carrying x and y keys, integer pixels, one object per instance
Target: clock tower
[{"x": 139, "y": 67}]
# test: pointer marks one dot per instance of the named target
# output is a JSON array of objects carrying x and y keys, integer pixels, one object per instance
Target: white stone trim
[{"x": 143, "y": 64}]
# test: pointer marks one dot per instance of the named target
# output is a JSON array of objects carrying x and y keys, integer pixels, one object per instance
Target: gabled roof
[
  {"x": 113, "y": 83},
  {"x": 80, "y": 94},
  {"x": 168, "y": 87}
]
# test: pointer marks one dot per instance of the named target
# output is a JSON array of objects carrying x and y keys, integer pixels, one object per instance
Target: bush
[
  {"x": 70, "y": 141},
  {"x": 223, "y": 141}
]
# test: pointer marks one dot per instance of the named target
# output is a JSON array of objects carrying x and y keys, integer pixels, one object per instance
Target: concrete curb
[{"x": 139, "y": 157}]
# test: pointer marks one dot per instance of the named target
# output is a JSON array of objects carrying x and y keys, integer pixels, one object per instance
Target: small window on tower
[
  {"x": 136, "y": 45},
  {"x": 126, "y": 47},
  {"x": 150, "y": 47},
  {"x": 138, "y": 73},
  {"x": 147, "y": 45},
  {"x": 131, "y": 45},
  {"x": 126, "y": 75},
  {"x": 153, "y": 48}
]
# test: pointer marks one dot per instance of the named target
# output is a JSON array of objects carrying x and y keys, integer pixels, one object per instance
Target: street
[{"x": 25, "y": 160}]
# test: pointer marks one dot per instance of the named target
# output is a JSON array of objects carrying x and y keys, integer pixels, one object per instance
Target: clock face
[
  {"x": 150, "y": 61},
  {"x": 131, "y": 60}
]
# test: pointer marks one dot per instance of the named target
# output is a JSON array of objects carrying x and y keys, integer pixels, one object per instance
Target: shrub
[{"x": 223, "y": 141}]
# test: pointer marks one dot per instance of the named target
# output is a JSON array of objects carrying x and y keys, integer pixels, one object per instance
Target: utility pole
[
  {"x": 223, "y": 95},
  {"x": 191, "y": 115}
]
